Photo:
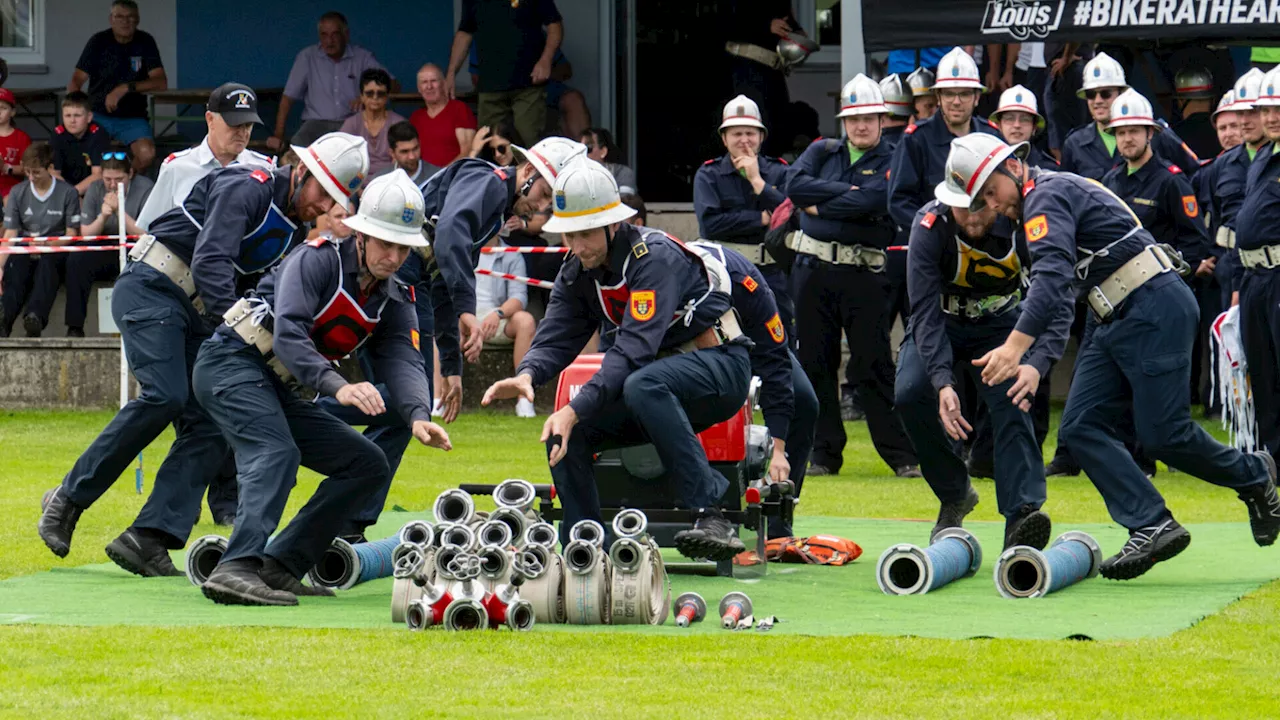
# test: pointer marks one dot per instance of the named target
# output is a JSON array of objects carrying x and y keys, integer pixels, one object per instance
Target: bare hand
[
  {"x": 431, "y": 435},
  {"x": 1024, "y": 387},
  {"x": 812, "y": 210},
  {"x": 452, "y": 399},
  {"x": 274, "y": 142},
  {"x": 749, "y": 165},
  {"x": 472, "y": 339},
  {"x": 999, "y": 364},
  {"x": 559, "y": 426},
  {"x": 765, "y": 218},
  {"x": 515, "y": 222},
  {"x": 541, "y": 71},
  {"x": 779, "y": 466},
  {"x": 779, "y": 27},
  {"x": 1207, "y": 266},
  {"x": 949, "y": 413},
  {"x": 362, "y": 396},
  {"x": 113, "y": 98},
  {"x": 481, "y": 138},
  {"x": 449, "y": 82},
  {"x": 489, "y": 327},
  {"x": 520, "y": 386}
]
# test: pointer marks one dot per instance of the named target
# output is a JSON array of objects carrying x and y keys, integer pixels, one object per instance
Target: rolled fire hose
[
  {"x": 588, "y": 531},
  {"x": 455, "y": 507},
  {"x": 586, "y": 585},
  {"x": 907, "y": 569},
  {"x": 1024, "y": 572},
  {"x": 205, "y": 554},
  {"x": 343, "y": 565},
  {"x": 545, "y": 590},
  {"x": 541, "y": 534},
  {"x": 517, "y": 494},
  {"x": 639, "y": 592}
]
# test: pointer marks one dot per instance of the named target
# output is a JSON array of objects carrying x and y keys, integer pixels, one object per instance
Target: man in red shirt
[
  {"x": 445, "y": 126},
  {"x": 13, "y": 142}
]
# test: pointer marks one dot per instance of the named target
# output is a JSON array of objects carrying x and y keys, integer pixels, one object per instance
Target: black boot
[
  {"x": 236, "y": 582},
  {"x": 278, "y": 577},
  {"x": 1030, "y": 527},
  {"x": 141, "y": 554},
  {"x": 1263, "y": 504},
  {"x": 58, "y": 522},
  {"x": 712, "y": 537},
  {"x": 1146, "y": 547},
  {"x": 33, "y": 325},
  {"x": 952, "y": 514}
]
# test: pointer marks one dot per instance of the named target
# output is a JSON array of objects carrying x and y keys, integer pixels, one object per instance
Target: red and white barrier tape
[
  {"x": 524, "y": 250},
  {"x": 517, "y": 278},
  {"x": 64, "y": 238},
  {"x": 44, "y": 250}
]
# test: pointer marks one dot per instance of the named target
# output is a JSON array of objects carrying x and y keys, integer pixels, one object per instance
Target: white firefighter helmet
[
  {"x": 1019, "y": 99},
  {"x": 1102, "y": 72},
  {"x": 897, "y": 98},
  {"x": 1194, "y": 83},
  {"x": 970, "y": 163},
  {"x": 1269, "y": 94},
  {"x": 585, "y": 197},
  {"x": 957, "y": 70},
  {"x": 741, "y": 111},
  {"x": 1225, "y": 104},
  {"x": 1247, "y": 89},
  {"x": 1131, "y": 109},
  {"x": 549, "y": 155},
  {"x": 921, "y": 82},
  {"x": 391, "y": 209},
  {"x": 339, "y": 162},
  {"x": 861, "y": 96}
]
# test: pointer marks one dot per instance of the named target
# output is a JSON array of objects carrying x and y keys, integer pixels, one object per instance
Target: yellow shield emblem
[
  {"x": 642, "y": 305},
  {"x": 1190, "y": 206},
  {"x": 1037, "y": 228},
  {"x": 750, "y": 284},
  {"x": 416, "y": 339},
  {"x": 775, "y": 329}
]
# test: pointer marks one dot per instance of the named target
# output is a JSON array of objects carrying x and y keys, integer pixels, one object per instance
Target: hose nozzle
[
  {"x": 690, "y": 608},
  {"x": 733, "y": 607}
]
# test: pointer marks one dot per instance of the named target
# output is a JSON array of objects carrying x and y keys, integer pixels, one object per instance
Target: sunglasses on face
[
  {"x": 1104, "y": 94},
  {"x": 113, "y": 156},
  {"x": 501, "y": 149},
  {"x": 375, "y": 93}
]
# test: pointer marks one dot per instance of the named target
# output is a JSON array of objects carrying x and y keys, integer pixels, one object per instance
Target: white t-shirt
[{"x": 1030, "y": 55}]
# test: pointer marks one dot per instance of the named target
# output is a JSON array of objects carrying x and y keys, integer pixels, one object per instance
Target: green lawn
[{"x": 1225, "y": 666}]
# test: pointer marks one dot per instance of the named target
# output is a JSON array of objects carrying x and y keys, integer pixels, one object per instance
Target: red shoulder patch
[
  {"x": 413, "y": 295},
  {"x": 1028, "y": 186},
  {"x": 93, "y": 127},
  {"x": 59, "y": 130},
  {"x": 910, "y": 129},
  {"x": 783, "y": 161},
  {"x": 502, "y": 174},
  {"x": 1175, "y": 170},
  {"x": 260, "y": 175},
  {"x": 710, "y": 161},
  {"x": 171, "y": 156},
  {"x": 928, "y": 220},
  {"x": 318, "y": 242}
]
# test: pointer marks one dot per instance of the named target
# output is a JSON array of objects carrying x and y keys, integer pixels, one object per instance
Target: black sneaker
[
  {"x": 33, "y": 325},
  {"x": 278, "y": 577},
  {"x": 816, "y": 470},
  {"x": 1146, "y": 547},
  {"x": 908, "y": 471},
  {"x": 1263, "y": 504},
  {"x": 141, "y": 555},
  {"x": 58, "y": 522},
  {"x": 1061, "y": 467},
  {"x": 237, "y": 583},
  {"x": 711, "y": 537},
  {"x": 1030, "y": 527},
  {"x": 952, "y": 514},
  {"x": 980, "y": 468},
  {"x": 75, "y": 332},
  {"x": 849, "y": 410},
  {"x": 224, "y": 520}
]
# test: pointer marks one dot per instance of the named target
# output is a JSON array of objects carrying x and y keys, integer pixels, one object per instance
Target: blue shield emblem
[
  {"x": 135, "y": 63},
  {"x": 560, "y": 202},
  {"x": 408, "y": 215},
  {"x": 265, "y": 244}
]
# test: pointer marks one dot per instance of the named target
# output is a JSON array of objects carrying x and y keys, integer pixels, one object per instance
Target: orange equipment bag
[{"x": 813, "y": 550}]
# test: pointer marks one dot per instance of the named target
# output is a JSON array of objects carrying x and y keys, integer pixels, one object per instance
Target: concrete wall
[{"x": 55, "y": 373}]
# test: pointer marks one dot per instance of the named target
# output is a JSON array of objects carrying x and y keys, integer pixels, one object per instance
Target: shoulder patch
[
  {"x": 1028, "y": 186},
  {"x": 640, "y": 249},
  {"x": 502, "y": 174},
  {"x": 93, "y": 127},
  {"x": 1189, "y": 206},
  {"x": 712, "y": 160},
  {"x": 928, "y": 220},
  {"x": 171, "y": 156},
  {"x": 416, "y": 339},
  {"x": 750, "y": 283},
  {"x": 782, "y": 160},
  {"x": 318, "y": 242},
  {"x": 260, "y": 175},
  {"x": 1175, "y": 170},
  {"x": 643, "y": 305},
  {"x": 910, "y": 129},
  {"x": 1037, "y": 228},
  {"x": 776, "y": 331},
  {"x": 59, "y": 130}
]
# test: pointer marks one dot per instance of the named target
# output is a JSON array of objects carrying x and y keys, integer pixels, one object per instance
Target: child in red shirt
[{"x": 13, "y": 142}]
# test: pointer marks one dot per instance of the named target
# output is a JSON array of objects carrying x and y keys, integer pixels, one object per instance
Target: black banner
[{"x": 901, "y": 24}]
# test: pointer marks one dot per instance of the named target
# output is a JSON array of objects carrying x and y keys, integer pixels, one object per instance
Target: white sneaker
[
  {"x": 437, "y": 409},
  {"x": 524, "y": 409}
]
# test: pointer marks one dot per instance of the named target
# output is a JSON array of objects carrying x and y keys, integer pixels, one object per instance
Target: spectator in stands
[
  {"x": 78, "y": 143},
  {"x": 13, "y": 142},
  {"x": 500, "y": 305},
  {"x": 41, "y": 205},
  {"x": 906, "y": 61},
  {"x": 406, "y": 153},
  {"x": 635, "y": 202},
  {"x": 325, "y": 78},
  {"x": 100, "y": 215},
  {"x": 373, "y": 120},
  {"x": 495, "y": 146},
  {"x": 120, "y": 64},
  {"x": 445, "y": 125},
  {"x": 510, "y": 40},
  {"x": 600, "y": 147}
]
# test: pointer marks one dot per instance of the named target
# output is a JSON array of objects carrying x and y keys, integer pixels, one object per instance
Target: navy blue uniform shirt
[
  {"x": 1084, "y": 153},
  {"x": 850, "y": 198},
  {"x": 1258, "y": 223},
  {"x": 728, "y": 209},
  {"x": 1162, "y": 198},
  {"x": 919, "y": 163}
]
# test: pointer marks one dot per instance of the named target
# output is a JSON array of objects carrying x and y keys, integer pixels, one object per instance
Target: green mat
[{"x": 1221, "y": 565}]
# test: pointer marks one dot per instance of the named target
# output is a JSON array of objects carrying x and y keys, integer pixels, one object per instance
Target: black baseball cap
[{"x": 236, "y": 103}]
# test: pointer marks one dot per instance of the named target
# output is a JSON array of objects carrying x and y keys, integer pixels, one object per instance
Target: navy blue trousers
[
  {"x": 391, "y": 434},
  {"x": 1260, "y": 334},
  {"x": 804, "y": 421}
]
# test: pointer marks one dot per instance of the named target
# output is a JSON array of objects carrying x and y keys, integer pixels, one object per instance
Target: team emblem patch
[
  {"x": 775, "y": 329},
  {"x": 1037, "y": 228},
  {"x": 642, "y": 305},
  {"x": 355, "y": 181},
  {"x": 408, "y": 215},
  {"x": 1189, "y": 206},
  {"x": 750, "y": 283},
  {"x": 416, "y": 339},
  {"x": 560, "y": 200},
  {"x": 928, "y": 220}
]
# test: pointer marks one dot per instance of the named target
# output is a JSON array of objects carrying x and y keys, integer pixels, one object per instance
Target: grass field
[{"x": 1225, "y": 666}]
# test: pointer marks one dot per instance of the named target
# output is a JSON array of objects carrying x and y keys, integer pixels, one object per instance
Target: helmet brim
[
  {"x": 945, "y": 195},
  {"x": 564, "y": 224},
  {"x": 340, "y": 195},
  {"x": 868, "y": 109},
  {"x": 1080, "y": 93},
  {"x": 957, "y": 84},
  {"x": 1040, "y": 123},
  {"x": 523, "y": 155},
  {"x": 1110, "y": 129},
  {"x": 742, "y": 122},
  {"x": 385, "y": 231}
]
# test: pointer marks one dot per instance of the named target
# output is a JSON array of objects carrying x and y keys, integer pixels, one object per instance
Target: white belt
[
  {"x": 1226, "y": 237},
  {"x": 1107, "y": 296},
  {"x": 975, "y": 308},
  {"x": 150, "y": 251},
  {"x": 1266, "y": 257},
  {"x": 755, "y": 253},
  {"x": 726, "y": 330},
  {"x": 755, "y": 52},
  {"x": 836, "y": 253},
  {"x": 247, "y": 319}
]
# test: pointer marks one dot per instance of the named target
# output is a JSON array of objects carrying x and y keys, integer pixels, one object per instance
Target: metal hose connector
[
  {"x": 541, "y": 534},
  {"x": 630, "y": 523},
  {"x": 521, "y": 616},
  {"x": 588, "y": 531},
  {"x": 495, "y": 563},
  {"x": 461, "y": 537},
  {"x": 205, "y": 554},
  {"x": 465, "y": 614},
  {"x": 494, "y": 533},
  {"x": 454, "y": 506},
  {"x": 513, "y": 519},
  {"x": 517, "y": 494},
  {"x": 418, "y": 532},
  {"x": 627, "y": 556}
]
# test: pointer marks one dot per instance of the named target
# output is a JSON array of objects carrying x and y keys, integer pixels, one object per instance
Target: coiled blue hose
[
  {"x": 910, "y": 570},
  {"x": 1024, "y": 572},
  {"x": 344, "y": 565}
]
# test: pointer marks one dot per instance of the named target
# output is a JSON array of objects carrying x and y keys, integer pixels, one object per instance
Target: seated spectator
[
  {"x": 445, "y": 125},
  {"x": 325, "y": 103},
  {"x": 635, "y": 202},
  {"x": 495, "y": 146},
  {"x": 406, "y": 153},
  {"x": 374, "y": 118},
  {"x": 78, "y": 144},
  {"x": 600, "y": 148},
  {"x": 41, "y": 205},
  {"x": 100, "y": 215},
  {"x": 13, "y": 142},
  {"x": 120, "y": 64},
  {"x": 500, "y": 305}
]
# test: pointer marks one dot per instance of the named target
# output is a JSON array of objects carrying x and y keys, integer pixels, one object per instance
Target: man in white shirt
[
  {"x": 500, "y": 305},
  {"x": 231, "y": 113}
]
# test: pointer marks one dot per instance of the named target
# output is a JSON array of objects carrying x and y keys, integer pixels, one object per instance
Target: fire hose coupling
[
  {"x": 205, "y": 554},
  {"x": 690, "y": 608},
  {"x": 733, "y": 607},
  {"x": 418, "y": 532},
  {"x": 494, "y": 562},
  {"x": 505, "y": 607},
  {"x": 627, "y": 556},
  {"x": 582, "y": 557},
  {"x": 454, "y": 507},
  {"x": 518, "y": 495},
  {"x": 410, "y": 561},
  {"x": 520, "y": 616},
  {"x": 464, "y": 568},
  {"x": 907, "y": 569},
  {"x": 533, "y": 562},
  {"x": 466, "y": 613},
  {"x": 630, "y": 523},
  {"x": 494, "y": 534},
  {"x": 461, "y": 537},
  {"x": 1024, "y": 572},
  {"x": 540, "y": 534},
  {"x": 513, "y": 519},
  {"x": 588, "y": 531}
]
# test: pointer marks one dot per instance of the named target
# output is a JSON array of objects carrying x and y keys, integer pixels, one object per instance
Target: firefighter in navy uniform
[
  {"x": 323, "y": 303},
  {"x": 735, "y": 195},
  {"x": 838, "y": 186},
  {"x": 235, "y": 223},
  {"x": 678, "y": 364},
  {"x": 1088, "y": 151},
  {"x": 756, "y": 69},
  {"x": 787, "y": 400},
  {"x": 897, "y": 97},
  {"x": 966, "y": 279},
  {"x": 1233, "y": 180},
  {"x": 1143, "y": 318},
  {"x": 1018, "y": 119},
  {"x": 1258, "y": 253},
  {"x": 923, "y": 102}
]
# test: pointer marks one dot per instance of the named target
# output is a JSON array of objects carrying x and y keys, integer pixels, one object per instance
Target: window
[
  {"x": 821, "y": 20},
  {"x": 22, "y": 31}
]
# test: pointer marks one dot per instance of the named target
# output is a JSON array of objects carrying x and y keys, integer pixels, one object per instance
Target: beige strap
[
  {"x": 1107, "y": 296},
  {"x": 835, "y": 253},
  {"x": 586, "y": 594},
  {"x": 1266, "y": 257},
  {"x": 1226, "y": 237},
  {"x": 753, "y": 252},
  {"x": 754, "y": 52},
  {"x": 150, "y": 251}
]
